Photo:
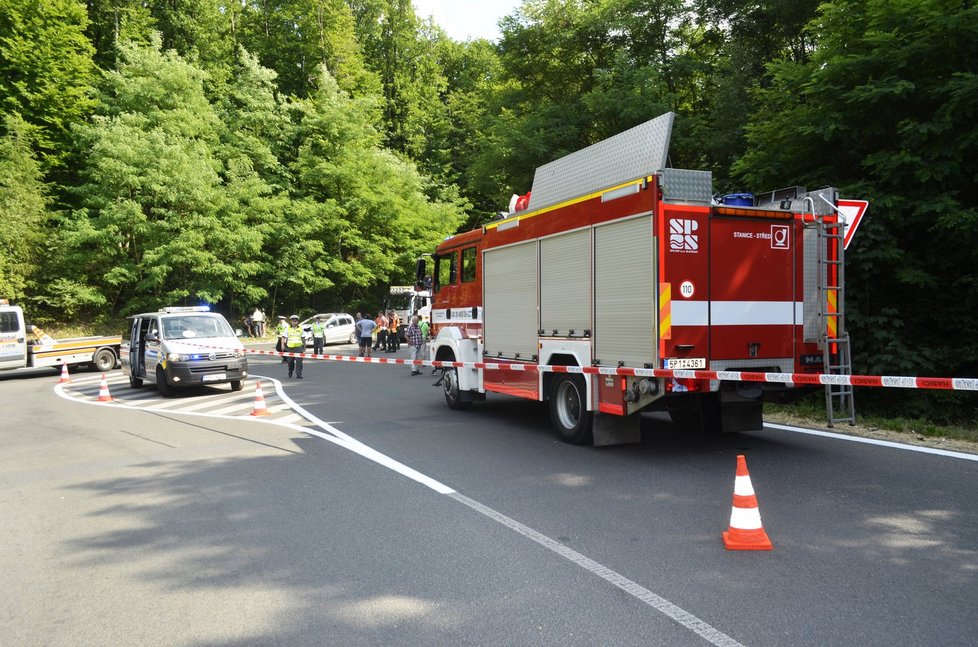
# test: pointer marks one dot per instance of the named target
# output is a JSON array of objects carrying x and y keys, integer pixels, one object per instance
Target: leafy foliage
[
  {"x": 23, "y": 210},
  {"x": 46, "y": 70},
  {"x": 299, "y": 154}
]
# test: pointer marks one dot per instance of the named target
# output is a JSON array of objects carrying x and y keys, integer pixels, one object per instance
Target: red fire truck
[{"x": 619, "y": 262}]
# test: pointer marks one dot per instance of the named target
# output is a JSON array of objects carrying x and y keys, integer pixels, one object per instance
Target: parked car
[{"x": 340, "y": 328}]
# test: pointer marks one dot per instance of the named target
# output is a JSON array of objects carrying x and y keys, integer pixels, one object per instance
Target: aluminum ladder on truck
[{"x": 836, "y": 352}]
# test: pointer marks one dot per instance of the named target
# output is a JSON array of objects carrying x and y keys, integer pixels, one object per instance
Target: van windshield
[{"x": 196, "y": 326}]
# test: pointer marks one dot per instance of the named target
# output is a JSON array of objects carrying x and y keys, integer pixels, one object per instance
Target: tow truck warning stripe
[{"x": 814, "y": 379}]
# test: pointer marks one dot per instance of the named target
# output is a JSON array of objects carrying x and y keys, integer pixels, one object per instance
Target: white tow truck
[{"x": 25, "y": 346}]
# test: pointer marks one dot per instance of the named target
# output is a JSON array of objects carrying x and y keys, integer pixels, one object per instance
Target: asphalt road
[{"x": 380, "y": 517}]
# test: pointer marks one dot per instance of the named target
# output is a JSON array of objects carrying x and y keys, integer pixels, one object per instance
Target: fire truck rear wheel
[
  {"x": 452, "y": 395},
  {"x": 571, "y": 420}
]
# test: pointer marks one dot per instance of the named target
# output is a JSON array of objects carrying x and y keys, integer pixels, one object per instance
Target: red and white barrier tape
[{"x": 814, "y": 379}]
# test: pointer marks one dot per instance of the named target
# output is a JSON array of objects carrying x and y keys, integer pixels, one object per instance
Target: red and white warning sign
[{"x": 852, "y": 211}]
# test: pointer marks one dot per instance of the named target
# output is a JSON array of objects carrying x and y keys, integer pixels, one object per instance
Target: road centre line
[{"x": 874, "y": 441}]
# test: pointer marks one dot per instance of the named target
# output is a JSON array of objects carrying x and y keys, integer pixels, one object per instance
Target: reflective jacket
[{"x": 294, "y": 337}]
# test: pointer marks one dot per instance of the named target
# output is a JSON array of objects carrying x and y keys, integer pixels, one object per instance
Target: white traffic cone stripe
[
  {"x": 745, "y": 518},
  {"x": 743, "y": 487},
  {"x": 259, "y": 408},
  {"x": 103, "y": 390}
]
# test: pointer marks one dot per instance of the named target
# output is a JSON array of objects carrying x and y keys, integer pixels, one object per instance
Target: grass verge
[{"x": 810, "y": 412}]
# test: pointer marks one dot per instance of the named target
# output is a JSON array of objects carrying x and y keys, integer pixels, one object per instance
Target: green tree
[
  {"x": 23, "y": 211},
  {"x": 158, "y": 226},
  {"x": 296, "y": 37},
  {"x": 257, "y": 138},
  {"x": 366, "y": 206},
  {"x": 46, "y": 70},
  {"x": 885, "y": 109}
]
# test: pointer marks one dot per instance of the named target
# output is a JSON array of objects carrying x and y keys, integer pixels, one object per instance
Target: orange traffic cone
[
  {"x": 64, "y": 375},
  {"x": 746, "y": 531},
  {"x": 103, "y": 390},
  {"x": 260, "y": 408}
]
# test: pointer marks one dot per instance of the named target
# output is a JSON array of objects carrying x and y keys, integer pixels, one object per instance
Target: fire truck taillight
[{"x": 684, "y": 385}]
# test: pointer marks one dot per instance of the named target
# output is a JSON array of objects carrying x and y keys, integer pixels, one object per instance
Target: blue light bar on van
[{"x": 186, "y": 309}]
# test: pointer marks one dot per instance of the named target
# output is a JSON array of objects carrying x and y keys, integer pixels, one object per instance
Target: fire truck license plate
[{"x": 685, "y": 363}]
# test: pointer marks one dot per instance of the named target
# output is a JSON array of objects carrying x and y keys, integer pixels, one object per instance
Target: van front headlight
[{"x": 177, "y": 357}]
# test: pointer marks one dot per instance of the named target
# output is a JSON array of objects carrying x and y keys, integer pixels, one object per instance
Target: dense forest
[{"x": 300, "y": 154}]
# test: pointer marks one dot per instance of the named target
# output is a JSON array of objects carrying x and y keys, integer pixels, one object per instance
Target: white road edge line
[
  {"x": 337, "y": 437},
  {"x": 660, "y": 604},
  {"x": 873, "y": 441}
]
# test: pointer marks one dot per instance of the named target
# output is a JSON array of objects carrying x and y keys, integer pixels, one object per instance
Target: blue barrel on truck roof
[{"x": 738, "y": 200}]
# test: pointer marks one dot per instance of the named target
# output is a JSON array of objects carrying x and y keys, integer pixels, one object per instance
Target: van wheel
[
  {"x": 104, "y": 359},
  {"x": 162, "y": 385},
  {"x": 571, "y": 420},
  {"x": 452, "y": 395},
  {"x": 236, "y": 385}
]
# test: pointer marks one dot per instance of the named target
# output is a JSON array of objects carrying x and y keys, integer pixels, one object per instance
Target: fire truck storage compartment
[
  {"x": 565, "y": 284},
  {"x": 510, "y": 301},
  {"x": 754, "y": 295},
  {"x": 624, "y": 298}
]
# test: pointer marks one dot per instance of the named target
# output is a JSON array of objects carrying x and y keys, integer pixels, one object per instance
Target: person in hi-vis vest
[{"x": 295, "y": 344}]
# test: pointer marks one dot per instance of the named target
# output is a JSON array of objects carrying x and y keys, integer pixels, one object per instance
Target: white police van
[{"x": 182, "y": 347}]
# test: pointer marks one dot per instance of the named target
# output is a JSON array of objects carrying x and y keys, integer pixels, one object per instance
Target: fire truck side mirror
[{"x": 420, "y": 272}]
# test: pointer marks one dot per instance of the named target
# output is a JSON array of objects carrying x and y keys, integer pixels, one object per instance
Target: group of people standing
[
  {"x": 289, "y": 334},
  {"x": 255, "y": 323},
  {"x": 383, "y": 332},
  {"x": 380, "y": 332}
]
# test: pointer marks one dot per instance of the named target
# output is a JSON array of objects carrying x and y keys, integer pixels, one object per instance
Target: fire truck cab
[{"x": 621, "y": 263}]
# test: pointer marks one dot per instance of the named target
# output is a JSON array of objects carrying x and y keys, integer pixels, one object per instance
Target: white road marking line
[
  {"x": 237, "y": 406},
  {"x": 337, "y": 437},
  {"x": 660, "y": 604},
  {"x": 873, "y": 441},
  {"x": 194, "y": 404},
  {"x": 292, "y": 418}
]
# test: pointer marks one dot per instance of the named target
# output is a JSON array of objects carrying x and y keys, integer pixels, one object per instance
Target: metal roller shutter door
[
  {"x": 510, "y": 305},
  {"x": 624, "y": 294},
  {"x": 565, "y": 283}
]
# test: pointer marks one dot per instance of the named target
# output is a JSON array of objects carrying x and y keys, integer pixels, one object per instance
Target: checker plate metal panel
[
  {"x": 681, "y": 185},
  {"x": 626, "y": 156}
]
